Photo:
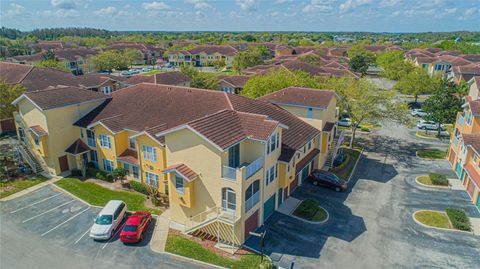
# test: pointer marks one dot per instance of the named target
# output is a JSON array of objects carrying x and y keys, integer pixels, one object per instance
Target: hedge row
[
  {"x": 459, "y": 219},
  {"x": 438, "y": 179}
]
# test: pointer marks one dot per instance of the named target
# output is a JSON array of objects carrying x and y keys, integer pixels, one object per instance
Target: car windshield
[
  {"x": 104, "y": 220},
  {"x": 130, "y": 228}
]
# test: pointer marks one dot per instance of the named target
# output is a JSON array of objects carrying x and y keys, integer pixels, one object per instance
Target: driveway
[
  {"x": 48, "y": 229},
  {"x": 371, "y": 224}
]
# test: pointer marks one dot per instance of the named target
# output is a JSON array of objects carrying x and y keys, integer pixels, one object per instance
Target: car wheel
[
  {"x": 315, "y": 183},
  {"x": 337, "y": 189}
]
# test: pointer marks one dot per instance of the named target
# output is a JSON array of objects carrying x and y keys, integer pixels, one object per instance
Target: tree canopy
[
  {"x": 8, "y": 93},
  {"x": 114, "y": 59},
  {"x": 360, "y": 59},
  {"x": 417, "y": 82},
  {"x": 252, "y": 56},
  {"x": 201, "y": 80}
]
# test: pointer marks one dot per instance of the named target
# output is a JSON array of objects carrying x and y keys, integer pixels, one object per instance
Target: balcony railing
[
  {"x": 229, "y": 173},
  {"x": 243, "y": 172},
  {"x": 252, "y": 201}
]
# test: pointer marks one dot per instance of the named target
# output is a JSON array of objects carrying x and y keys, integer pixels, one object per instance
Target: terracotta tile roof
[
  {"x": 36, "y": 57},
  {"x": 72, "y": 54},
  {"x": 425, "y": 60},
  {"x": 334, "y": 64},
  {"x": 475, "y": 106},
  {"x": 336, "y": 72},
  {"x": 328, "y": 126},
  {"x": 137, "y": 79},
  {"x": 38, "y": 130},
  {"x": 182, "y": 169},
  {"x": 171, "y": 78},
  {"x": 132, "y": 45},
  {"x": 41, "y": 78},
  {"x": 14, "y": 73},
  {"x": 301, "y": 96},
  {"x": 472, "y": 140},
  {"x": 46, "y": 45},
  {"x": 453, "y": 60},
  {"x": 305, "y": 67},
  {"x": 376, "y": 48},
  {"x": 62, "y": 96},
  {"x": 96, "y": 80},
  {"x": 227, "y": 127},
  {"x": 129, "y": 156},
  {"x": 471, "y": 57},
  {"x": 152, "y": 131},
  {"x": 77, "y": 147},
  {"x": 473, "y": 173},
  {"x": 235, "y": 80},
  {"x": 211, "y": 49},
  {"x": 173, "y": 106},
  {"x": 306, "y": 160}
]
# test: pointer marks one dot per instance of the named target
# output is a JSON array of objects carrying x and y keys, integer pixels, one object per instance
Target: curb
[
  {"x": 356, "y": 164},
  {"x": 432, "y": 138},
  {"x": 428, "y": 159},
  {"x": 194, "y": 261},
  {"x": 29, "y": 190},
  {"x": 432, "y": 186},
  {"x": 311, "y": 222},
  {"x": 437, "y": 228}
]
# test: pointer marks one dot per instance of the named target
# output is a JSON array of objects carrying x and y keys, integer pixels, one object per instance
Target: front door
[
  {"x": 268, "y": 207},
  {"x": 304, "y": 173},
  {"x": 63, "y": 161},
  {"x": 228, "y": 199},
  {"x": 280, "y": 196}
]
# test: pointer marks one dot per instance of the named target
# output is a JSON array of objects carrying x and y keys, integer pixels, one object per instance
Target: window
[
  {"x": 106, "y": 89},
  {"x": 475, "y": 158},
  {"x": 469, "y": 118},
  {"x": 107, "y": 165},
  {"x": 37, "y": 140},
  {"x": 127, "y": 168},
  {"x": 272, "y": 173},
  {"x": 288, "y": 167},
  {"x": 293, "y": 162},
  {"x": 132, "y": 144},
  {"x": 151, "y": 179},
  {"x": 310, "y": 113},
  {"x": 179, "y": 184},
  {"x": 105, "y": 141},
  {"x": 135, "y": 171},
  {"x": 309, "y": 145},
  {"x": 94, "y": 158},
  {"x": 267, "y": 176},
  {"x": 276, "y": 170},
  {"x": 273, "y": 143},
  {"x": 91, "y": 138},
  {"x": 252, "y": 195},
  {"x": 149, "y": 153}
]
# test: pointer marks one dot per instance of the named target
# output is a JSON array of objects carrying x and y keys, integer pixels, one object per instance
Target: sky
[{"x": 245, "y": 15}]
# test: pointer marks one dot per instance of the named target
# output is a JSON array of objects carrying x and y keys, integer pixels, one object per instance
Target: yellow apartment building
[{"x": 202, "y": 56}]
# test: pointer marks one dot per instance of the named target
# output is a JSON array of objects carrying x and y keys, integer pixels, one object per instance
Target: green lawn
[
  {"x": 432, "y": 154},
  {"x": 344, "y": 170},
  {"x": 425, "y": 180},
  {"x": 97, "y": 195},
  {"x": 432, "y": 135},
  {"x": 182, "y": 246},
  {"x": 433, "y": 218},
  {"x": 12, "y": 187}
]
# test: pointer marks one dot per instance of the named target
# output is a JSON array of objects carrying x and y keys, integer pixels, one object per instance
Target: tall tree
[
  {"x": 417, "y": 82},
  {"x": 254, "y": 55},
  {"x": 201, "y": 80},
  {"x": 363, "y": 102},
  {"x": 8, "y": 93},
  {"x": 443, "y": 105},
  {"x": 52, "y": 64},
  {"x": 360, "y": 59}
]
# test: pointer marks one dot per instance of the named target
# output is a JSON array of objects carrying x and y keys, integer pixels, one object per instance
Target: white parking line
[
  {"x": 36, "y": 203},
  {"x": 78, "y": 240},
  {"x": 111, "y": 238},
  {"x": 69, "y": 219},
  {"x": 34, "y": 217}
]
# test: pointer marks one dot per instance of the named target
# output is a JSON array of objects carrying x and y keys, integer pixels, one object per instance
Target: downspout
[{"x": 263, "y": 179}]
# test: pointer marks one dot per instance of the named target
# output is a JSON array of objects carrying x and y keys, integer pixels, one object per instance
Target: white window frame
[
  {"x": 178, "y": 179},
  {"x": 105, "y": 161},
  {"x": 149, "y": 153},
  {"x": 105, "y": 141},
  {"x": 130, "y": 142},
  {"x": 152, "y": 178}
]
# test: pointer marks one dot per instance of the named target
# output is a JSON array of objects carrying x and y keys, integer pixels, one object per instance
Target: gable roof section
[
  {"x": 182, "y": 169},
  {"x": 14, "y": 73},
  {"x": 77, "y": 147},
  {"x": 475, "y": 107},
  {"x": 211, "y": 49},
  {"x": 60, "y": 96},
  {"x": 235, "y": 80},
  {"x": 227, "y": 127},
  {"x": 472, "y": 140},
  {"x": 137, "y": 79},
  {"x": 171, "y": 78},
  {"x": 301, "y": 97},
  {"x": 41, "y": 78}
]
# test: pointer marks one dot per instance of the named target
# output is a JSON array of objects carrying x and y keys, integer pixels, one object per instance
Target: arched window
[{"x": 229, "y": 199}]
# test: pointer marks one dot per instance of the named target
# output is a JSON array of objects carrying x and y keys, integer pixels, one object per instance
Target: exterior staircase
[
  {"x": 333, "y": 150},
  {"x": 28, "y": 157}
]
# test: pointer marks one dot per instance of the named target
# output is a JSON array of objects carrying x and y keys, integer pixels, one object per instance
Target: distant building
[
  {"x": 149, "y": 52},
  {"x": 202, "y": 56},
  {"x": 168, "y": 78}
]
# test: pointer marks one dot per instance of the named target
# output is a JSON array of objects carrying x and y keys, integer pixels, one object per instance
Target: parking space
[{"x": 61, "y": 224}]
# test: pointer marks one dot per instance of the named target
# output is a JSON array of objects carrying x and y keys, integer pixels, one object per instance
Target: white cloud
[
  {"x": 15, "y": 10},
  {"x": 61, "y": 13},
  {"x": 282, "y": 14},
  {"x": 352, "y": 4},
  {"x": 470, "y": 11},
  {"x": 64, "y": 4},
  {"x": 106, "y": 11},
  {"x": 247, "y": 5},
  {"x": 450, "y": 10},
  {"x": 389, "y": 3},
  {"x": 155, "y": 6},
  {"x": 319, "y": 6},
  {"x": 283, "y": 1},
  {"x": 199, "y": 4}
]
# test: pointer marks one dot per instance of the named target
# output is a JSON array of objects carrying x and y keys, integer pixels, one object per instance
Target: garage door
[
  {"x": 458, "y": 169},
  {"x": 294, "y": 184},
  {"x": 268, "y": 207},
  {"x": 452, "y": 156},
  {"x": 251, "y": 224},
  {"x": 478, "y": 200},
  {"x": 470, "y": 188}
]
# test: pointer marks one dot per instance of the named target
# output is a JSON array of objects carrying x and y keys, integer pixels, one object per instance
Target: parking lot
[
  {"x": 371, "y": 224},
  {"x": 49, "y": 229}
]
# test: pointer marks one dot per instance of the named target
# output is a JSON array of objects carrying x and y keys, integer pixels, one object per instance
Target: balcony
[
  {"x": 252, "y": 201},
  {"x": 245, "y": 171}
]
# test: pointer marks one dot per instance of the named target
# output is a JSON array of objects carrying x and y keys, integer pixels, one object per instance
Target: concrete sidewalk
[
  {"x": 289, "y": 205},
  {"x": 160, "y": 234}
]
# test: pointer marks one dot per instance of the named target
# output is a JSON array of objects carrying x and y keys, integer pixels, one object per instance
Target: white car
[
  {"x": 418, "y": 113},
  {"x": 429, "y": 125},
  {"x": 347, "y": 123},
  {"x": 146, "y": 69},
  {"x": 108, "y": 220}
]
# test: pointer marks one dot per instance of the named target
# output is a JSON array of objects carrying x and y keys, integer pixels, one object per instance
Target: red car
[{"x": 135, "y": 226}]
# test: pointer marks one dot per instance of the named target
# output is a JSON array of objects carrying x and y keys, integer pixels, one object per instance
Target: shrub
[
  {"x": 365, "y": 129},
  {"x": 119, "y": 173},
  {"x": 139, "y": 187},
  {"x": 438, "y": 179},
  {"x": 307, "y": 208},
  {"x": 459, "y": 219},
  {"x": 104, "y": 176},
  {"x": 76, "y": 173},
  {"x": 92, "y": 172}
]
